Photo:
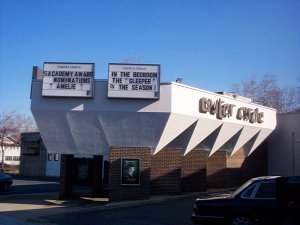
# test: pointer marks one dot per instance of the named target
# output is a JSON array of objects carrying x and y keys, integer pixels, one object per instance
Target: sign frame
[
  {"x": 142, "y": 82},
  {"x": 130, "y": 171},
  {"x": 73, "y": 75}
]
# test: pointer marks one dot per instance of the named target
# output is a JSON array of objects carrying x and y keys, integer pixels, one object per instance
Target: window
[
  {"x": 249, "y": 191},
  {"x": 266, "y": 190},
  {"x": 31, "y": 148},
  {"x": 56, "y": 157},
  {"x": 50, "y": 157},
  {"x": 8, "y": 158},
  {"x": 16, "y": 158}
]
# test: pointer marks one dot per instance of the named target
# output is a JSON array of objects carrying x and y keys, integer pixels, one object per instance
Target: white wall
[
  {"x": 53, "y": 165},
  {"x": 93, "y": 125},
  {"x": 284, "y": 152},
  {"x": 13, "y": 153}
]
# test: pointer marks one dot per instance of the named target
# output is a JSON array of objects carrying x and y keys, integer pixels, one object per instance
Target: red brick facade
[
  {"x": 119, "y": 192},
  {"x": 166, "y": 171},
  {"x": 169, "y": 172},
  {"x": 193, "y": 171},
  {"x": 216, "y": 169}
]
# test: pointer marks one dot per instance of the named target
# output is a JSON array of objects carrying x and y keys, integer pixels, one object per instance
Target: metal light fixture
[{"x": 178, "y": 80}]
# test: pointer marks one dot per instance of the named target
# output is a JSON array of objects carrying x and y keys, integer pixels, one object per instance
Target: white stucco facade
[
  {"x": 284, "y": 146},
  {"x": 93, "y": 125}
]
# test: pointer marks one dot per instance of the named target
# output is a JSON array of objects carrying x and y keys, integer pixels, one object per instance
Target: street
[
  {"x": 170, "y": 212},
  {"x": 30, "y": 185}
]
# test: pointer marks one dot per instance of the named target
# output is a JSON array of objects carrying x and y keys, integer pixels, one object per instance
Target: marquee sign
[
  {"x": 68, "y": 79},
  {"x": 133, "y": 81},
  {"x": 222, "y": 110}
]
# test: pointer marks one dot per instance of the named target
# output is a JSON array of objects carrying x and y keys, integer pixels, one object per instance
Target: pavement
[{"x": 28, "y": 209}]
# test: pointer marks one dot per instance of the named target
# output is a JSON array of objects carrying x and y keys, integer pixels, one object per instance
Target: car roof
[
  {"x": 292, "y": 180},
  {"x": 287, "y": 179},
  {"x": 265, "y": 178}
]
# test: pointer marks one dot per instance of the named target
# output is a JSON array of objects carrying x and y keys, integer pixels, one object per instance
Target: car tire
[{"x": 241, "y": 220}]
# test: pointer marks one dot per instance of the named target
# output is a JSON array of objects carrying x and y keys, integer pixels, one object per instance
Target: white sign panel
[
  {"x": 68, "y": 79},
  {"x": 133, "y": 81}
]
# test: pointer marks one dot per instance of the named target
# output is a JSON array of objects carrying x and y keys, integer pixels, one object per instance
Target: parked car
[
  {"x": 262, "y": 200},
  {"x": 5, "y": 181}
]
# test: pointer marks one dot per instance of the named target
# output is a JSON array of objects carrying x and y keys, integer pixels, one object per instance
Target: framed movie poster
[{"x": 130, "y": 171}]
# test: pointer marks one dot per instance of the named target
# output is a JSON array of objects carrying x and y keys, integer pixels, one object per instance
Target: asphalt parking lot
[
  {"x": 35, "y": 200},
  {"x": 43, "y": 207},
  {"x": 30, "y": 185},
  {"x": 165, "y": 212},
  {"x": 46, "y": 209}
]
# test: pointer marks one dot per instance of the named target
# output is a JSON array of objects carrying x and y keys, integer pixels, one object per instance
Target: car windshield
[{"x": 237, "y": 191}]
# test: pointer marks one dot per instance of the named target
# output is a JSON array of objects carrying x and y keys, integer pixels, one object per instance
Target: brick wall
[
  {"x": 234, "y": 173},
  {"x": 166, "y": 171},
  {"x": 119, "y": 192},
  {"x": 241, "y": 168},
  {"x": 169, "y": 172},
  {"x": 33, "y": 165},
  {"x": 216, "y": 170},
  {"x": 193, "y": 171},
  {"x": 257, "y": 163}
]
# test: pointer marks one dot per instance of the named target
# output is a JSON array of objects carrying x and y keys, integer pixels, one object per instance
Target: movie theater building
[{"x": 156, "y": 137}]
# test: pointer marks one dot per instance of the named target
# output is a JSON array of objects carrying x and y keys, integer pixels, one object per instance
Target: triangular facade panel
[
  {"x": 129, "y": 129},
  {"x": 263, "y": 134},
  {"x": 227, "y": 131},
  {"x": 175, "y": 126},
  {"x": 202, "y": 130},
  {"x": 247, "y": 133}
]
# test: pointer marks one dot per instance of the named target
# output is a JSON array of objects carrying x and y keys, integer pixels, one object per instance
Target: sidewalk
[{"x": 28, "y": 209}]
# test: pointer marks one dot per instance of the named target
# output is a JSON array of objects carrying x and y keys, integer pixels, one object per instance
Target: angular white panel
[
  {"x": 263, "y": 134},
  {"x": 87, "y": 132},
  {"x": 78, "y": 108},
  {"x": 92, "y": 126},
  {"x": 203, "y": 129},
  {"x": 175, "y": 126},
  {"x": 248, "y": 132},
  {"x": 228, "y": 130},
  {"x": 126, "y": 129},
  {"x": 54, "y": 126}
]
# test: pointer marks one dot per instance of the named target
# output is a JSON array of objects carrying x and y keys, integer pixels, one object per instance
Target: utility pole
[{"x": 293, "y": 151}]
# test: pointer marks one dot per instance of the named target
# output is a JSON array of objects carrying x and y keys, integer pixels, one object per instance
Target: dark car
[
  {"x": 5, "y": 181},
  {"x": 262, "y": 200}
]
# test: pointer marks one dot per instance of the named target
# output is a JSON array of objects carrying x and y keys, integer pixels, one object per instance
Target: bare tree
[
  {"x": 291, "y": 100},
  {"x": 24, "y": 123},
  {"x": 267, "y": 92},
  {"x": 7, "y": 128},
  {"x": 12, "y": 125}
]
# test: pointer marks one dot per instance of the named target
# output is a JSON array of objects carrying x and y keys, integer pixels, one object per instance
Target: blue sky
[{"x": 210, "y": 44}]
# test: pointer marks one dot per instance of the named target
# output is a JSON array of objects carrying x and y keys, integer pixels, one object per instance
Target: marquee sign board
[
  {"x": 133, "y": 81},
  {"x": 68, "y": 79},
  {"x": 222, "y": 110}
]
